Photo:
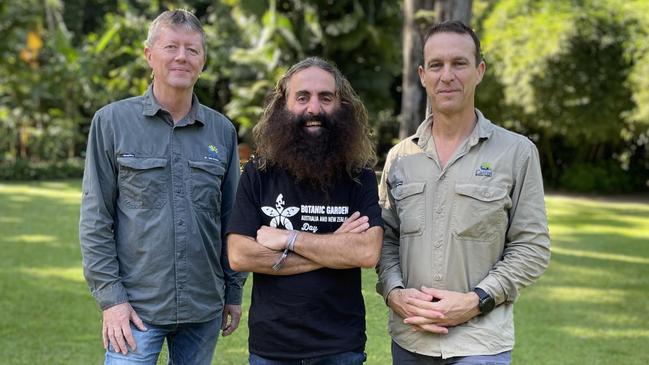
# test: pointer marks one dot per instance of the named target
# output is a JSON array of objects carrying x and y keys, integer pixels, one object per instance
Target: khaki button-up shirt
[{"x": 478, "y": 222}]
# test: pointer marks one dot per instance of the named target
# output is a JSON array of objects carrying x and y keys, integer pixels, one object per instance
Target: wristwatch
[{"x": 486, "y": 303}]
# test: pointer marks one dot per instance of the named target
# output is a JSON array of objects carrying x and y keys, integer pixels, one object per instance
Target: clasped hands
[
  {"x": 433, "y": 310},
  {"x": 276, "y": 238}
]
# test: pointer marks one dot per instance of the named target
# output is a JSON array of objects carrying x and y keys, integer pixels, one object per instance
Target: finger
[
  {"x": 128, "y": 336},
  {"x": 236, "y": 317},
  {"x": 104, "y": 336},
  {"x": 418, "y": 320},
  {"x": 434, "y": 329},
  {"x": 224, "y": 319},
  {"x": 121, "y": 342},
  {"x": 138, "y": 322},
  {"x": 434, "y": 292},
  {"x": 112, "y": 341},
  {"x": 358, "y": 221},
  {"x": 344, "y": 227},
  {"x": 414, "y": 293},
  {"x": 427, "y": 313},
  {"x": 362, "y": 228}
]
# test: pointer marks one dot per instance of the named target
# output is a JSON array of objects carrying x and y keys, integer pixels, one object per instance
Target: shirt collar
[
  {"x": 152, "y": 107},
  {"x": 422, "y": 137}
]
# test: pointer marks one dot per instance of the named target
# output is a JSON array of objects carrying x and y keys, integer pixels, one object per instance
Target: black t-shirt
[{"x": 315, "y": 313}]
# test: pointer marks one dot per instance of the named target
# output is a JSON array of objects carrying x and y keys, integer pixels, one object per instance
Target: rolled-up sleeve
[
  {"x": 97, "y": 217},
  {"x": 388, "y": 268},
  {"x": 234, "y": 280},
  {"x": 527, "y": 247}
]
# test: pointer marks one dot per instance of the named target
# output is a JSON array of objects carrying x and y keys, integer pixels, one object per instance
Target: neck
[
  {"x": 449, "y": 131},
  {"x": 454, "y": 127},
  {"x": 177, "y": 102}
]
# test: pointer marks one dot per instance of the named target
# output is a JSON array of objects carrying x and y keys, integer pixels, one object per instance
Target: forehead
[
  {"x": 178, "y": 33},
  {"x": 313, "y": 80},
  {"x": 449, "y": 45}
]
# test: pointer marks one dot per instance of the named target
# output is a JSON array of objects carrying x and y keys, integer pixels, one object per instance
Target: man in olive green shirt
[
  {"x": 465, "y": 222},
  {"x": 158, "y": 188}
]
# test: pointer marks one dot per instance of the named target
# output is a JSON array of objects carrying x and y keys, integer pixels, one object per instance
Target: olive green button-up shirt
[
  {"x": 478, "y": 222},
  {"x": 156, "y": 199}
]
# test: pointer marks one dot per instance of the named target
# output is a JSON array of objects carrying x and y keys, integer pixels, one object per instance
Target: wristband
[
  {"x": 278, "y": 265},
  {"x": 290, "y": 241}
]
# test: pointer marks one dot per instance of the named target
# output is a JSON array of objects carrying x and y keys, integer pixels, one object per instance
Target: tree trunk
[
  {"x": 413, "y": 96},
  {"x": 414, "y": 103}
]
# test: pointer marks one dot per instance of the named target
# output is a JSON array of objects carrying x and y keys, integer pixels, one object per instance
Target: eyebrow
[{"x": 320, "y": 94}]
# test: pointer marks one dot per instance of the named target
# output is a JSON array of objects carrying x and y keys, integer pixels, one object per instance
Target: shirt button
[
  {"x": 438, "y": 277},
  {"x": 181, "y": 222},
  {"x": 438, "y": 244},
  {"x": 487, "y": 194}
]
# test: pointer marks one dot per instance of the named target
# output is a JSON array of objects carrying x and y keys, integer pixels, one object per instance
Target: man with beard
[{"x": 293, "y": 225}]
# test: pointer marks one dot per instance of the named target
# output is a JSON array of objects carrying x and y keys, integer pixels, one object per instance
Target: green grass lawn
[{"x": 591, "y": 307}]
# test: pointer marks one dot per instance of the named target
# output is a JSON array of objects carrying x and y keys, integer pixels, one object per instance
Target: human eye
[
  {"x": 327, "y": 99},
  {"x": 434, "y": 65},
  {"x": 301, "y": 98},
  {"x": 193, "y": 51}
]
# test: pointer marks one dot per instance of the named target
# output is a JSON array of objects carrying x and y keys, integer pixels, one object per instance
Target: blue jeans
[
  {"x": 190, "y": 343},
  {"x": 401, "y": 356},
  {"x": 344, "y": 358}
]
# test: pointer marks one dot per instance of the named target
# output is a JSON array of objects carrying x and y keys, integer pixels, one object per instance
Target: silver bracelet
[
  {"x": 278, "y": 265},
  {"x": 290, "y": 241}
]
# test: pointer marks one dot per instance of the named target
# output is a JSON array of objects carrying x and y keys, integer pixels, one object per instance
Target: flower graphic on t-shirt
[{"x": 280, "y": 214}]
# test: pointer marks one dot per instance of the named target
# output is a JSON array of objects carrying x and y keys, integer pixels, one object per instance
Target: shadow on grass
[{"x": 590, "y": 307}]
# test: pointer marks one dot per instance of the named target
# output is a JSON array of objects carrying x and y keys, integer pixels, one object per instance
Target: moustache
[{"x": 314, "y": 120}]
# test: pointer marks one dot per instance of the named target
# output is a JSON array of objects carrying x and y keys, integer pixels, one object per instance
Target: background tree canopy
[{"x": 573, "y": 76}]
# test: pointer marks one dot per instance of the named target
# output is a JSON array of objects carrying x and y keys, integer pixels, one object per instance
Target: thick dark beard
[{"x": 318, "y": 160}]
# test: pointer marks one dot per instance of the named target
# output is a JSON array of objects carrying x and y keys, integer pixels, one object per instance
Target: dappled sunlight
[
  {"x": 557, "y": 294},
  {"x": 72, "y": 274},
  {"x": 569, "y": 270},
  {"x": 30, "y": 238},
  {"x": 62, "y": 192},
  {"x": 604, "y": 333},
  {"x": 600, "y": 255},
  {"x": 7, "y": 220}
]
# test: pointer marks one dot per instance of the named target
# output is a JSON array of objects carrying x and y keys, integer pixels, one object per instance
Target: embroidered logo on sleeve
[
  {"x": 280, "y": 214},
  {"x": 484, "y": 170}
]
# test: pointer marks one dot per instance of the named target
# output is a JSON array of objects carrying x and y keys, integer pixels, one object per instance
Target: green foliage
[
  {"x": 569, "y": 75},
  {"x": 22, "y": 169},
  {"x": 603, "y": 177}
]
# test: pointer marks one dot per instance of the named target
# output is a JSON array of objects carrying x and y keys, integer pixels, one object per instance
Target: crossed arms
[{"x": 353, "y": 244}]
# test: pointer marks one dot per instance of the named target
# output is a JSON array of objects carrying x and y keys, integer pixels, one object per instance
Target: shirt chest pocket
[
  {"x": 410, "y": 201},
  {"x": 205, "y": 184},
  {"x": 480, "y": 212},
  {"x": 142, "y": 182}
]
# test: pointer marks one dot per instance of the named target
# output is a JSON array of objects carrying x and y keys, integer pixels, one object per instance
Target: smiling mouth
[{"x": 313, "y": 123}]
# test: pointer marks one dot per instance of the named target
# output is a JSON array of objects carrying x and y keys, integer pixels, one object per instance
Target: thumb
[{"x": 137, "y": 321}]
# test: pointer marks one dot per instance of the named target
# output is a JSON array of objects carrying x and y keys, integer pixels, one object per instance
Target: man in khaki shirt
[{"x": 465, "y": 222}]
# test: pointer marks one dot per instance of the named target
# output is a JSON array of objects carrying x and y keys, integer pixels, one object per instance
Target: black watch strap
[{"x": 486, "y": 302}]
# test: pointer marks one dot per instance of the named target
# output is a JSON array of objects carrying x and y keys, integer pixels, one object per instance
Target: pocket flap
[
  {"x": 142, "y": 163},
  {"x": 210, "y": 167},
  {"x": 485, "y": 193},
  {"x": 405, "y": 190}
]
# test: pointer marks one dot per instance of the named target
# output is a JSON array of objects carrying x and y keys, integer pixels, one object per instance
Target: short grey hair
[{"x": 175, "y": 18}]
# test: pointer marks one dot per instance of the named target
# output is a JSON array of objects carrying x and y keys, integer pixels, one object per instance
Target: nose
[
  {"x": 180, "y": 54},
  {"x": 314, "y": 106},
  {"x": 447, "y": 74}
]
